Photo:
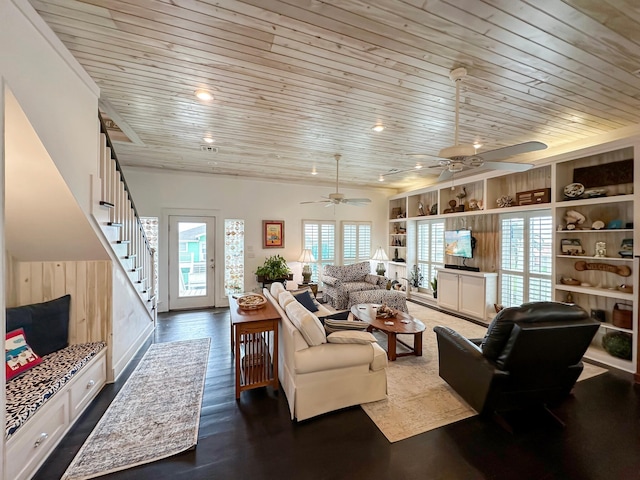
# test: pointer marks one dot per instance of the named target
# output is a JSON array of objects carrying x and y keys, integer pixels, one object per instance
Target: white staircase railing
[{"x": 130, "y": 243}]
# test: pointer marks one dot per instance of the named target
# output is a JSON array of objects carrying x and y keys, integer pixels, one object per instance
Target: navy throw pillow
[
  {"x": 45, "y": 325},
  {"x": 306, "y": 300}
]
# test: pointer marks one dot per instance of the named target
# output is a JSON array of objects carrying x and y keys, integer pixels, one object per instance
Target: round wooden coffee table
[{"x": 400, "y": 324}]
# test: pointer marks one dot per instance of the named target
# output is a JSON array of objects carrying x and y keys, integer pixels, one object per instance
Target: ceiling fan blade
[
  {"x": 515, "y": 167},
  {"x": 317, "y": 201},
  {"x": 445, "y": 175},
  {"x": 505, "y": 152},
  {"x": 353, "y": 201}
]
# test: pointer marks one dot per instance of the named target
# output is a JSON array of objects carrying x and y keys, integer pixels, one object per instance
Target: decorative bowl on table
[{"x": 251, "y": 301}]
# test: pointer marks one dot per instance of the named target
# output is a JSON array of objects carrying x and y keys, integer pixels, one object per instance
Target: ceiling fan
[
  {"x": 460, "y": 157},
  {"x": 338, "y": 198}
]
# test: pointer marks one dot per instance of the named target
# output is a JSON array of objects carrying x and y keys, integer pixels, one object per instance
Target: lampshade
[
  {"x": 306, "y": 256},
  {"x": 380, "y": 255}
]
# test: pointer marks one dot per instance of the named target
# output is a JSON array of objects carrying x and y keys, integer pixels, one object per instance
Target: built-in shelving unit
[{"x": 597, "y": 289}]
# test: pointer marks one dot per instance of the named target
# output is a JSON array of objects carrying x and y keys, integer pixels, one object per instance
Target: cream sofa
[{"x": 316, "y": 375}]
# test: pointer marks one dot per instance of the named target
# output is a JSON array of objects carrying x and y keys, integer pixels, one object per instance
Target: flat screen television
[{"x": 458, "y": 243}]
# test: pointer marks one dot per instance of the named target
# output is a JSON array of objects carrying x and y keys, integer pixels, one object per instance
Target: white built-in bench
[{"x": 45, "y": 401}]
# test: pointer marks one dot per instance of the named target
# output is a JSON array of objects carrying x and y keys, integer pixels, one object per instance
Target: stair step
[
  {"x": 135, "y": 269},
  {"x": 142, "y": 280},
  {"x": 123, "y": 242},
  {"x": 106, "y": 204},
  {"x": 152, "y": 299},
  {"x": 114, "y": 224},
  {"x": 133, "y": 255}
]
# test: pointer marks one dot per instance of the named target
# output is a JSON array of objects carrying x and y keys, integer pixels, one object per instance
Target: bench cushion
[{"x": 27, "y": 393}]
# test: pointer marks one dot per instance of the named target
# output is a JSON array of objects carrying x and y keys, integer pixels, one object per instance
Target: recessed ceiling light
[
  {"x": 477, "y": 145},
  {"x": 418, "y": 166},
  {"x": 314, "y": 171},
  {"x": 381, "y": 178},
  {"x": 204, "y": 95},
  {"x": 378, "y": 128},
  {"x": 208, "y": 139}
]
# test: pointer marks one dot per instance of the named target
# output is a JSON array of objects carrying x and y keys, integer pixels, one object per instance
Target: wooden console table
[{"x": 254, "y": 343}]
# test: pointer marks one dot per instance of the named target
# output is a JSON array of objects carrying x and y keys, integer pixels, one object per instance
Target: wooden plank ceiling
[{"x": 296, "y": 81}]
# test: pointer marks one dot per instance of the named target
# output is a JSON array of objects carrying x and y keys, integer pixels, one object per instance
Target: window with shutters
[
  {"x": 356, "y": 242},
  {"x": 320, "y": 237},
  {"x": 430, "y": 249},
  {"x": 525, "y": 257}
]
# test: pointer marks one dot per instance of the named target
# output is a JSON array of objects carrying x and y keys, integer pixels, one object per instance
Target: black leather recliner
[{"x": 530, "y": 356}]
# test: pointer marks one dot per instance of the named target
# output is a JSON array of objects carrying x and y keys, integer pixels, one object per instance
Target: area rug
[
  {"x": 155, "y": 415},
  {"x": 418, "y": 400}
]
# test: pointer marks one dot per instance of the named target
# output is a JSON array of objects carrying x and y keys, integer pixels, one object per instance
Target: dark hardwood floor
[{"x": 256, "y": 439}]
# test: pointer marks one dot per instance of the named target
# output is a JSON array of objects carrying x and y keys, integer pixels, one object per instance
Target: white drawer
[
  {"x": 33, "y": 442},
  {"x": 86, "y": 385}
]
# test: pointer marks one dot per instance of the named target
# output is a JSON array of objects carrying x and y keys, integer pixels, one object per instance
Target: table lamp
[
  {"x": 306, "y": 257},
  {"x": 380, "y": 256}
]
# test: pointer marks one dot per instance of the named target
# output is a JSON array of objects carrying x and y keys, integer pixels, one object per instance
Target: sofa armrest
[
  {"x": 462, "y": 365},
  {"x": 332, "y": 281},
  {"x": 330, "y": 356}
]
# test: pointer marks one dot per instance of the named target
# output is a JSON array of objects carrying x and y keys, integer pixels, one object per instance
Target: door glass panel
[{"x": 192, "y": 238}]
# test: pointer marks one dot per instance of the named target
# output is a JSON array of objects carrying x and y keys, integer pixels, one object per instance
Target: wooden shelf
[
  {"x": 603, "y": 230},
  {"x": 599, "y": 355},
  {"x": 604, "y": 259},
  {"x": 595, "y": 201},
  {"x": 602, "y": 292}
]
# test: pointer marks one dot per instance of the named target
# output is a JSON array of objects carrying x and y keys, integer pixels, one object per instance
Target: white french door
[{"x": 191, "y": 262}]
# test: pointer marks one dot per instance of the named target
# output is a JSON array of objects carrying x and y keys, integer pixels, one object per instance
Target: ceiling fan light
[
  {"x": 208, "y": 139},
  {"x": 456, "y": 167},
  {"x": 457, "y": 151},
  {"x": 474, "y": 161}
]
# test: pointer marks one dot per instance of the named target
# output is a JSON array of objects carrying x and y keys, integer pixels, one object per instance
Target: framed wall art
[{"x": 273, "y": 234}]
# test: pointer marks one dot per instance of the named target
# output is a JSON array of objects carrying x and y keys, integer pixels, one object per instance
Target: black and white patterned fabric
[
  {"x": 28, "y": 392},
  {"x": 393, "y": 299},
  {"x": 346, "y": 279}
]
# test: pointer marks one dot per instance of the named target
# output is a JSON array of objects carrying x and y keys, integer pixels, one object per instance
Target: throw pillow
[
  {"x": 45, "y": 325},
  {"x": 307, "y": 323},
  {"x": 306, "y": 300},
  {"x": 20, "y": 357},
  {"x": 342, "y": 321},
  {"x": 346, "y": 336}
]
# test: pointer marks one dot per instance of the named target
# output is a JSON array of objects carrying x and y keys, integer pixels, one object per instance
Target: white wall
[{"x": 157, "y": 193}]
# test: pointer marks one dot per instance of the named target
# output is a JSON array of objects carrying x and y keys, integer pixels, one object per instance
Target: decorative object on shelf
[
  {"x": 622, "y": 270},
  {"x": 571, "y": 246},
  {"x": 251, "y": 301},
  {"x": 622, "y": 315},
  {"x": 573, "y": 219},
  {"x": 601, "y": 249},
  {"x": 597, "y": 225},
  {"x": 624, "y": 288},
  {"x": 396, "y": 212},
  {"x": 533, "y": 197},
  {"x": 598, "y": 315},
  {"x": 452, "y": 207},
  {"x": 573, "y": 191},
  {"x": 380, "y": 256},
  {"x": 614, "y": 224},
  {"x": 626, "y": 248},
  {"x": 434, "y": 209},
  {"x": 618, "y": 344},
  {"x": 306, "y": 258},
  {"x": 273, "y": 268},
  {"x": 504, "y": 201},
  {"x": 396, "y": 258},
  {"x": 421, "y": 210},
  {"x": 612, "y": 173},
  {"x": 460, "y": 196},
  {"x": 569, "y": 281},
  {"x": 273, "y": 234},
  {"x": 595, "y": 193},
  {"x": 434, "y": 286},
  {"x": 473, "y": 204},
  {"x": 568, "y": 298}
]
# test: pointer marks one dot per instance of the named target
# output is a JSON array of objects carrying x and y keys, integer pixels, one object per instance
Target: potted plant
[
  {"x": 434, "y": 286},
  {"x": 273, "y": 268},
  {"x": 415, "y": 277}
]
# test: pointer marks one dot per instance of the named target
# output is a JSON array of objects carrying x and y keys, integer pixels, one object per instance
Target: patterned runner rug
[
  {"x": 155, "y": 415},
  {"x": 418, "y": 400}
]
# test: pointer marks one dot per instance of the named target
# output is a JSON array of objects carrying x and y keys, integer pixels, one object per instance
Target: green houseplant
[
  {"x": 273, "y": 268},
  {"x": 434, "y": 286}
]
